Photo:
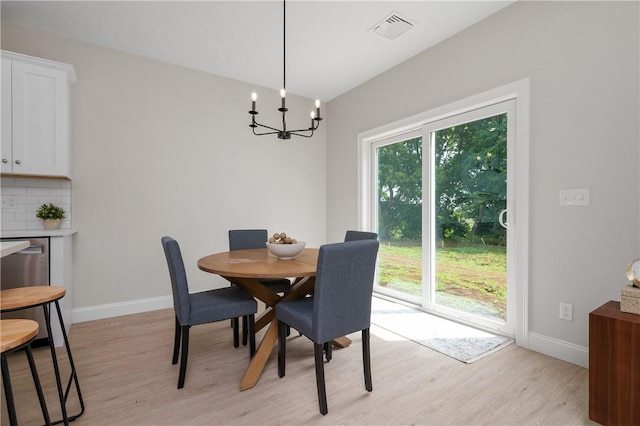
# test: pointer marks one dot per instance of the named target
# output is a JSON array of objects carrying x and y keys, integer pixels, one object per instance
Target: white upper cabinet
[{"x": 35, "y": 116}]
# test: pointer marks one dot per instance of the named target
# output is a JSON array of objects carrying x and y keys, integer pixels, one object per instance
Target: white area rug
[{"x": 458, "y": 341}]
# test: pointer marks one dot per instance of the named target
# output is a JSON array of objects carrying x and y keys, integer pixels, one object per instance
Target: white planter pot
[{"x": 51, "y": 223}]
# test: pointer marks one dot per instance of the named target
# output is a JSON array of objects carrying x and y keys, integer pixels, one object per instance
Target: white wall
[
  {"x": 582, "y": 61},
  {"x": 162, "y": 150}
]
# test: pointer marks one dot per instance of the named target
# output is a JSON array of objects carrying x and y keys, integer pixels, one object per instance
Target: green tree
[
  {"x": 470, "y": 170},
  {"x": 400, "y": 190},
  {"x": 470, "y": 173}
]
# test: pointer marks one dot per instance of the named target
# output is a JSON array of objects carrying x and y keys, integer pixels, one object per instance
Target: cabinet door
[
  {"x": 6, "y": 117},
  {"x": 40, "y": 120}
]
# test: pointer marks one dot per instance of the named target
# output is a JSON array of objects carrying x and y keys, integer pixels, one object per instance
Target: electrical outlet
[
  {"x": 9, "y": 203},
  {"x": 566, "y": 311}
]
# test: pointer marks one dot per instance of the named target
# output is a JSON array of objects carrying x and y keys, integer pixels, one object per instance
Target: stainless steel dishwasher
[{"x": 26, "y": 268}]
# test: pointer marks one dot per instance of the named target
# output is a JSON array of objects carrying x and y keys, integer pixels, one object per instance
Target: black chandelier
[{"x": 284, "y": 133}]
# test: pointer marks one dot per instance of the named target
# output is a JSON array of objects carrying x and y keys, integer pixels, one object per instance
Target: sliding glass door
[{"x": 443, "y": 212}]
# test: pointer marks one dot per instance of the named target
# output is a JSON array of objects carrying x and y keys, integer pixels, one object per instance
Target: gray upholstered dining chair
[
  {"x": 340, "y": 305},
  {"x": 360, "y": 235},
  {"x": 202, "y": 307},
  {"x": 351, "y": 236},
  {"x": 243, "y": 239}
]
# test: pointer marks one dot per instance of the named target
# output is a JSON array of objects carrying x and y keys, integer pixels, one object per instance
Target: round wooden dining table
[{"x": 244, "y": 268}]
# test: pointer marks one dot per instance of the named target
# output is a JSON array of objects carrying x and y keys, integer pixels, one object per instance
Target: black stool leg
[
  {"x": 36, "y": 382},
  {"x": 74, "y": 373},
  {"x": 56, "y": 369},
  {"x": 8, "y": 393}
]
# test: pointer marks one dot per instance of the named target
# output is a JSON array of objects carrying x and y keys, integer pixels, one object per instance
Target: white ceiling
[{"x": 330, "y": 49}]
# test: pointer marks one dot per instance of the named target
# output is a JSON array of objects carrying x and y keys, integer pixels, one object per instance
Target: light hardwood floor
[{"x": 124, "y": 366}]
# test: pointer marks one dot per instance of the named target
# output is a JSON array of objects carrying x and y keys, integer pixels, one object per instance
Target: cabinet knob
[
  {"x": 4, "y": 160},
  {"x": 17, "y": 161}
]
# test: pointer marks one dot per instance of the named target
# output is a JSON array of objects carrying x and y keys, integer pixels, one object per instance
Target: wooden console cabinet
[{"x": 614, "y": 366}]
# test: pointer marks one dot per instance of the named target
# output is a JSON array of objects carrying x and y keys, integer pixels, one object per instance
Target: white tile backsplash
[{"x": 28, "y": 195}]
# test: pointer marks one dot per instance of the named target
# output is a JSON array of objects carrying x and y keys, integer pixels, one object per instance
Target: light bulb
[
  {"x": 283, "y": 93},
  {"x": 254, "y": 96}
]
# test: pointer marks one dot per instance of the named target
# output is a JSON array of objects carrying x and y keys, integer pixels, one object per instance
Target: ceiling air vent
[{"x": 392, "y": 26}]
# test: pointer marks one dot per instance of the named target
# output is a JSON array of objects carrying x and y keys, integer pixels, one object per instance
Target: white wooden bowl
[{"x": 286, "y": 251}]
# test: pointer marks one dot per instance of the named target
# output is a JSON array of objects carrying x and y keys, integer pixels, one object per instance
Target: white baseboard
[
  {"x": 560, "y": 349},
  {"x": 122, "y": 308}
]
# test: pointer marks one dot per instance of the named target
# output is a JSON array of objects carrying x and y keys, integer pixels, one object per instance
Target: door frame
[{"x": 518, "y": 91}]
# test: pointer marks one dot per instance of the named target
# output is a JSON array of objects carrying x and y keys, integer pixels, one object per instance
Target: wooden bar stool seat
[
  {"x": 15, "y": 299},
  {"x": 17, "y": 334}
]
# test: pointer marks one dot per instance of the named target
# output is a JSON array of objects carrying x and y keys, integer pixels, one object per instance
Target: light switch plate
[{"x": 574, "y": 197}]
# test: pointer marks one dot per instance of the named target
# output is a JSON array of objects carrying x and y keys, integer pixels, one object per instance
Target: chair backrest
[
  {"x": 343, "y": 289},
  {"x": 179, "y": 285},
  {"x": 360, "y": 235},
  {"x": 241, "y": 239}
]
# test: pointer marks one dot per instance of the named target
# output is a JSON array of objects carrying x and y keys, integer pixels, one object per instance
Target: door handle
[
  {"x": 502, "y": 218},
  {"x": 31, "y": 250}
]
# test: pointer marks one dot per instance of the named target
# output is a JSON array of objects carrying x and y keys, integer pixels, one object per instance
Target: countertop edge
[
  {"x": 30, "y": 233},
  {"x": 10, "y": 247}
]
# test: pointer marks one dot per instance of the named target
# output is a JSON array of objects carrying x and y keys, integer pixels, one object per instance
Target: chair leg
[
  {"x": 176, "y": 342},
  {"x": 8, "y": 393},
  {"x": 236, "y": 335},
  {"x": 366, "y": 358},
  {"x": 36, "y": 382},
  {"x": 251, "y": 324},
  {"x": 282, "y": 348},
  {"x": 244, "y": 331},
  {"x": 322, "y": 392},
  {"x": 185, "y": 354},
  {"x": 327, "y": 350}
]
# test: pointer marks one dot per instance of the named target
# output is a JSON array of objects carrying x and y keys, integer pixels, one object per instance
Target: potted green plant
[{"x": 51, "y": 215}]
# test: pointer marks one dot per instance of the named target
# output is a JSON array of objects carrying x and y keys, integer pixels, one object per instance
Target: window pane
[
  {"x": 470, "y": 193},
  {"x": 399, "y": 216}
]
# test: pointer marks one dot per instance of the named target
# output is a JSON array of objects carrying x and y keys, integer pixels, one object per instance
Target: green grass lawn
[{"x": 464, "y": 273}]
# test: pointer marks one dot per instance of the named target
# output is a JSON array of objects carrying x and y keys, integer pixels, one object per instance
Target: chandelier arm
[
  {"x": 300, "y": 134},
  {"x": 266, "y": 127},
  {"x": 309, "y": 129},
  {"x": 265, "y": 133}
]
